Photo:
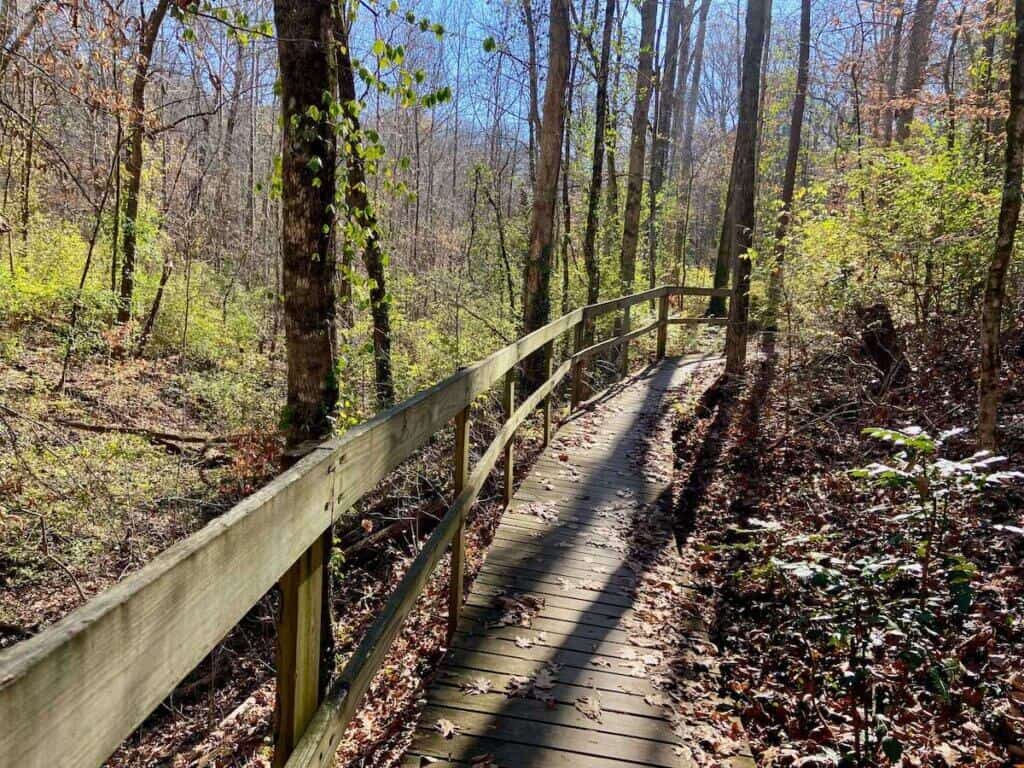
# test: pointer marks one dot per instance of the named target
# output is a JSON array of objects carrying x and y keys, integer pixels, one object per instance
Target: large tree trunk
[
  {"x": 740, "y": 237},
  {"x": 360, "y": 210},
  {"x": 136, "y": 139},
  {"x": 796, "y": 125},
  {"x": 590, "y": 259},
  {"x": 1009, "y": 213},
  {"x": 637, "y": 150},
  {"x": 917, "y": 59},
  {"x": 309, "y": 155},
  {"x": 537, "y": 271}
]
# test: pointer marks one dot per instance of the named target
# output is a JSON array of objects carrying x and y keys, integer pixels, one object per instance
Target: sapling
[{"x": 933, "y": 482}]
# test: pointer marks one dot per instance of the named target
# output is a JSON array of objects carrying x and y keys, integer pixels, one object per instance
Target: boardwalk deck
[{"x": 571, "y": 567}]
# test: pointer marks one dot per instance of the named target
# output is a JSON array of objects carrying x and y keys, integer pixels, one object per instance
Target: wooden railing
[{"x": 71, "y": 694}]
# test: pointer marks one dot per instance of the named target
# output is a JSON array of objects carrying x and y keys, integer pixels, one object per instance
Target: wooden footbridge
[{"x": 70, "y": 695}]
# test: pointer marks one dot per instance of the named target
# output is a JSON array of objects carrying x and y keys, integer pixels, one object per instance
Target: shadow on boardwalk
[{"x": 551, "y": 615}]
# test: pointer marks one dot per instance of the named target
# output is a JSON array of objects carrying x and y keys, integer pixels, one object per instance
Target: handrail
[{"x": 71, "y": 694}]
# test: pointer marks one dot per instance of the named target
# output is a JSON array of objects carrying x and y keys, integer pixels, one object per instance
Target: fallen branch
[{"x": 152, "y": 434}]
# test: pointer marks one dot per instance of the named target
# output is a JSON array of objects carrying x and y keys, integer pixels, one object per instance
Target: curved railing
[{"x": 71, "y": 694}]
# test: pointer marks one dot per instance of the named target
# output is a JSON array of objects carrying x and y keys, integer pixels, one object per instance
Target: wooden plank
[
  {"x": 604, "y": 307},
  {"x": 564, "y": 693},
  {"x": 497, "y": 703},
  {"x": 324, "y": 733},
  {"x": 662, "y": 326},
  {"x": 585, "y": 354},
  {"x": 698, "y": 321},
  {"x": 509, "y": 403},
  {"x": 298, "y": 649},
  {"x": 72, "y": 693},
  {"x": 478, "y": 620},
  {"x": 583, "y": 743},
  {"x": 463, "y": 750},
  {"x": 681, "y": 290},
  {"x": 553, "y": 599},
  {"x": 458, "y": 557}
]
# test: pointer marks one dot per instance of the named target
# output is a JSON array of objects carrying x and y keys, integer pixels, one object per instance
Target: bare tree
[
  {"x": 537, "y": 270},
  {"x": 637, "y": 148},
  {"x": 601, "y": 62},
  {"x": 917, "y": 58},
  {"x": 738, "y": 239},
  {"x": 149, "y": 29},
  {"x": 796, "y": 125}
]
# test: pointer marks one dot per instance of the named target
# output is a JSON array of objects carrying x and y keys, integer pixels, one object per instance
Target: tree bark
[
  {"x": 664, "y": 128},
  {"x": 136, "y": 141},
  {"x": 796, "y": 125},
  {"x": 637, "y": 149},
  {"x": 686, "y": 159},
  {"x": 892, "y": 77},
  {"x": 309, "y": 155},
  {"x": 739, "y": 239},
  {"x": 917, "y": 59},
  {"x": 590, "y": 259},
  {"x": 1009, "y": 213},
  {"x": 537, "y": 270}
]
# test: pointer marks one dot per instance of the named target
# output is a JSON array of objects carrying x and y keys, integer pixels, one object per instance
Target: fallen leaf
[
  {"x": 590, "y": 707},
  {"x": 446, "y": 728}
]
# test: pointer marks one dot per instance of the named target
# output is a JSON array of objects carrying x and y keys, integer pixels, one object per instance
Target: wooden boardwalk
[{"x": 546, "y": 626}]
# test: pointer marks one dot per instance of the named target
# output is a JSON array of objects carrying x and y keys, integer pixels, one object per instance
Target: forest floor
[
  {"x": 846, "y": 639},
  {"x": 827, "y": 639}
]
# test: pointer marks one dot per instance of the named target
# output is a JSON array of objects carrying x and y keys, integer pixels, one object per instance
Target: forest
[{"x": 234, "y": 235}]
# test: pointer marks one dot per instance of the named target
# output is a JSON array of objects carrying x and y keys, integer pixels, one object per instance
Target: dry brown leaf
[{"x": 590, "y": 707}]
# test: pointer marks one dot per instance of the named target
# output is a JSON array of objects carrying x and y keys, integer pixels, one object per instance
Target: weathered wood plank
[
  {"x": 526, "y": 732},
  {"x": 564, "y": 693},
  {"x": 72, "y": 693}
]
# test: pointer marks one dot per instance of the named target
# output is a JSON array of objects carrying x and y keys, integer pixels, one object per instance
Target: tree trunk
[
  {"x": 136, "y": 140},
  {"x": 1009, "y": 213},
  {"x": 309, "y": 156},
  {"x": 740, "y": 236},
  {"x": 537, "y": 271},
  {"x": 893, "y": 75},
  {"x": 154, "y": 310},
  {"x": 796, "y": 125},
  {"x": 637, "y": 150},
  {"x": 664, "y": 128},
  {"x": 533, "y": 119},
  {"x": 917, "y": 59},
  {"x": 361, "y": 212},
  {"x": 685, "y": 163},
  {"x": 590, "y": 259}
]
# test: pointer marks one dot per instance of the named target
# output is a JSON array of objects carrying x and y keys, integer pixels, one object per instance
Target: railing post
[
  {"x": 510, "y": 408},
  {"x": 458, "y": 566},
  {"x": 662, "y": 325},
  {"x": 549, "y": 363},
  {"x": 298, "y": 648},
  {"x": 579, "y": 367},
  {"x": 624, "y": 360}
]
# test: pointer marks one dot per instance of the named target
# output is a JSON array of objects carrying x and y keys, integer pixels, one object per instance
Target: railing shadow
[{"x": 582, "y": 635}]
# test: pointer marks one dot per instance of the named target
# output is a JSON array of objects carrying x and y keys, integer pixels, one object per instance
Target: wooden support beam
[
  {"x": 458, "y": 566},
  {"x": 298, "y": 649},
  {"x": 662, "y": 325},
  {"x": 579, "y": 368},
  {"x": 549, "y": 362},
  {"x": 510, "y": 407},
  {"x": 595, "y": 348},
  {"x": 698, "y": 321}
]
